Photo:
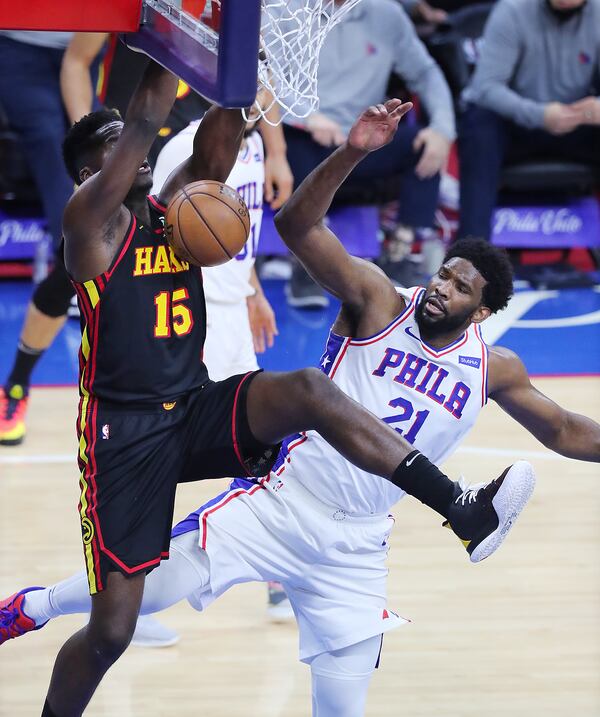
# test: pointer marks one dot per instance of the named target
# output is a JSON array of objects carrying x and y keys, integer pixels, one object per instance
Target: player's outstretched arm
[
  {"x": 216, "y": 146},
  {"x": 94, "y": 216},
  {"x": 300, "y": 221},
  {"x": 570, "y": 434}
]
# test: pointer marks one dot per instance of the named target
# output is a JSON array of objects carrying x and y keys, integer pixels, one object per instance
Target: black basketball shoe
[{"x": 483, "y": 514}]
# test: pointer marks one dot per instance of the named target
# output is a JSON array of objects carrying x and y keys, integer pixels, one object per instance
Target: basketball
[{"x": 207, "y": 223}]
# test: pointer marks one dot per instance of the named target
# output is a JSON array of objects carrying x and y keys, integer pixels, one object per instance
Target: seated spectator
[
  {"x": 531, "y": 97},
  {"x": 373, "y": 40},
  {"x": 31, "y": 98}
]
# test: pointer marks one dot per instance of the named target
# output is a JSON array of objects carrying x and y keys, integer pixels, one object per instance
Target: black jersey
[{"x": 143, "y": 322}]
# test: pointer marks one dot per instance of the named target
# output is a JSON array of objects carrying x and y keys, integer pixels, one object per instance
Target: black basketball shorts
[{"x": 131, "y": 458}]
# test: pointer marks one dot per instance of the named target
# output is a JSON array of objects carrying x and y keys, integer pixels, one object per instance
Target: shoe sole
[
  {"x": 306, "y": 302},
  {"x": 509, "y": 501},
  {"x": 11, "y": 441}
]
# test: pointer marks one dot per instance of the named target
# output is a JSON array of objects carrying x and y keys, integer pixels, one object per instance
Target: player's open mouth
[
  {"x": 434, "y": 307},
  {"x": 144, "y": 168}
]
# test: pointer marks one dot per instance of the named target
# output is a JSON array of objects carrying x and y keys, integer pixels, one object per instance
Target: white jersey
[
  {"x": 431, "y": 396},
  {"x": 230, "y": 282}
]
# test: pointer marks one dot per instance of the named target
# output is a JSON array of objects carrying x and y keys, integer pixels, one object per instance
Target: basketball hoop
[{"x": 291, "y": 37}]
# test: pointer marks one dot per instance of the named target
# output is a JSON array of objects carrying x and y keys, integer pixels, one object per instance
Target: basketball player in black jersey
[{"x": 149, "y": 415}]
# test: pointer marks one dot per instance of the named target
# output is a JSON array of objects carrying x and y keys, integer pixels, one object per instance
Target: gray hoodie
[
  {"x": 358, "y": 56},
  {"x": 530, "y": 57}
]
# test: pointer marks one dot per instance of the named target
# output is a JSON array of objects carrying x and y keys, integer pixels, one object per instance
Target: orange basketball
[{"x": 207, "y": 223}]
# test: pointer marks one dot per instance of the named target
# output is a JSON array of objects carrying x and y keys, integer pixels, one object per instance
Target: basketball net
[{"x": 292, "y": 35}]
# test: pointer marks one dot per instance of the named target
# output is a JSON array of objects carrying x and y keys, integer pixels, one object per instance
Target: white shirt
[{"x": 230, "y": 282}]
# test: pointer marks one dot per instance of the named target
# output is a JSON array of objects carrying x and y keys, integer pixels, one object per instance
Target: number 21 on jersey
[{"x": 406, "y": 414}]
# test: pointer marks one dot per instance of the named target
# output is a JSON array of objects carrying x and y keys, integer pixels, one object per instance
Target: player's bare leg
[
  {"x": 87, "y": 655},
  {"x": 482, "y": 515},
  {"x": 280, "y": 404}
]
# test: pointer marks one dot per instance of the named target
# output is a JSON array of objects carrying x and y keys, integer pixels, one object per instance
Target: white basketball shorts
[
  {"x": 331, "y": 564},
  {"x": 229, "y": 349}
]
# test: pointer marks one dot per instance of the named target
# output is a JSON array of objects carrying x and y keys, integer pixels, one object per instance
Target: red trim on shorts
[
  {"x": 135, "y": 568},
  {"x": 91, "y": 492},
  {"x": 236, "y": 446},
  {"x": 94, "y": 498},
  {"x": 231, "y": 496},
  {"x": 290, "y": 448}
]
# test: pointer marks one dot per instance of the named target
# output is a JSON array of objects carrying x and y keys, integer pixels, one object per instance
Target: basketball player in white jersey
[{"x": 317, "y": 524}]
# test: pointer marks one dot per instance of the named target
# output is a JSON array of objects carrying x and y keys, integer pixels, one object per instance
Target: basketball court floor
[{"x": 516, "y": 635}]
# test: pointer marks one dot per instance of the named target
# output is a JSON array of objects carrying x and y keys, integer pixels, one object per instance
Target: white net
[{"x": 292, "y": 35}]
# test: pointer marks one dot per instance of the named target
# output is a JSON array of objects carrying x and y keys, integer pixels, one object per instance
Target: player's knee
[
  {"x": 312, "y": 384},
  {"x": 111, "y": 638},
  {"x": 53, "y": 295}
]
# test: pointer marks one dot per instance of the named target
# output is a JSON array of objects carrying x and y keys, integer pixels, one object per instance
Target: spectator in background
[
  {"x": 373, "y": 40},
  {"x": 30, "y": 96},
  {"x": 40, "y": 106},
  {"x": 531, "y": 97}
]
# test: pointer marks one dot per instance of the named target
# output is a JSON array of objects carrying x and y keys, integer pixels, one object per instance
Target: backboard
[
  {"x": 81, "y": 15},
  {"x": 215, "y": 52}
]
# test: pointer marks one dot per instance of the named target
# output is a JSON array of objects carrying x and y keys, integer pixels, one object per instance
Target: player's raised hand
[{"x": 377, "y": 125}]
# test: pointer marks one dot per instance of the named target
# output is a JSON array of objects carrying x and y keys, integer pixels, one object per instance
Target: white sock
[
  {"x": 64, "y": 598},
  {"x": 186, "y": 571}
]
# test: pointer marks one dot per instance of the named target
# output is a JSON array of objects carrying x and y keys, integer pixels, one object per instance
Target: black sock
[
  {"x": 420, "y": 478},
  {"x": 47, "y": 711},
  {"x": 25, "y": 361}
]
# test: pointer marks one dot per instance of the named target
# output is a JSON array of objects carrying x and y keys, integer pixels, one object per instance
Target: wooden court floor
[{"x": 517, "y": 635}]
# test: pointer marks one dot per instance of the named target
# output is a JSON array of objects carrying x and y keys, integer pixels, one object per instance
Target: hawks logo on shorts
[{"x": 87, "y": 531}]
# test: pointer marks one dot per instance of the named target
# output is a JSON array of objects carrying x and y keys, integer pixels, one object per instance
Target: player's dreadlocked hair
[
  {"x": 493, "y": 264},
  {"x": 82, "y": 138}
]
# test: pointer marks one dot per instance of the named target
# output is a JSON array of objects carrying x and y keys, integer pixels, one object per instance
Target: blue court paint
[{"x": 545, "y": 348}]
